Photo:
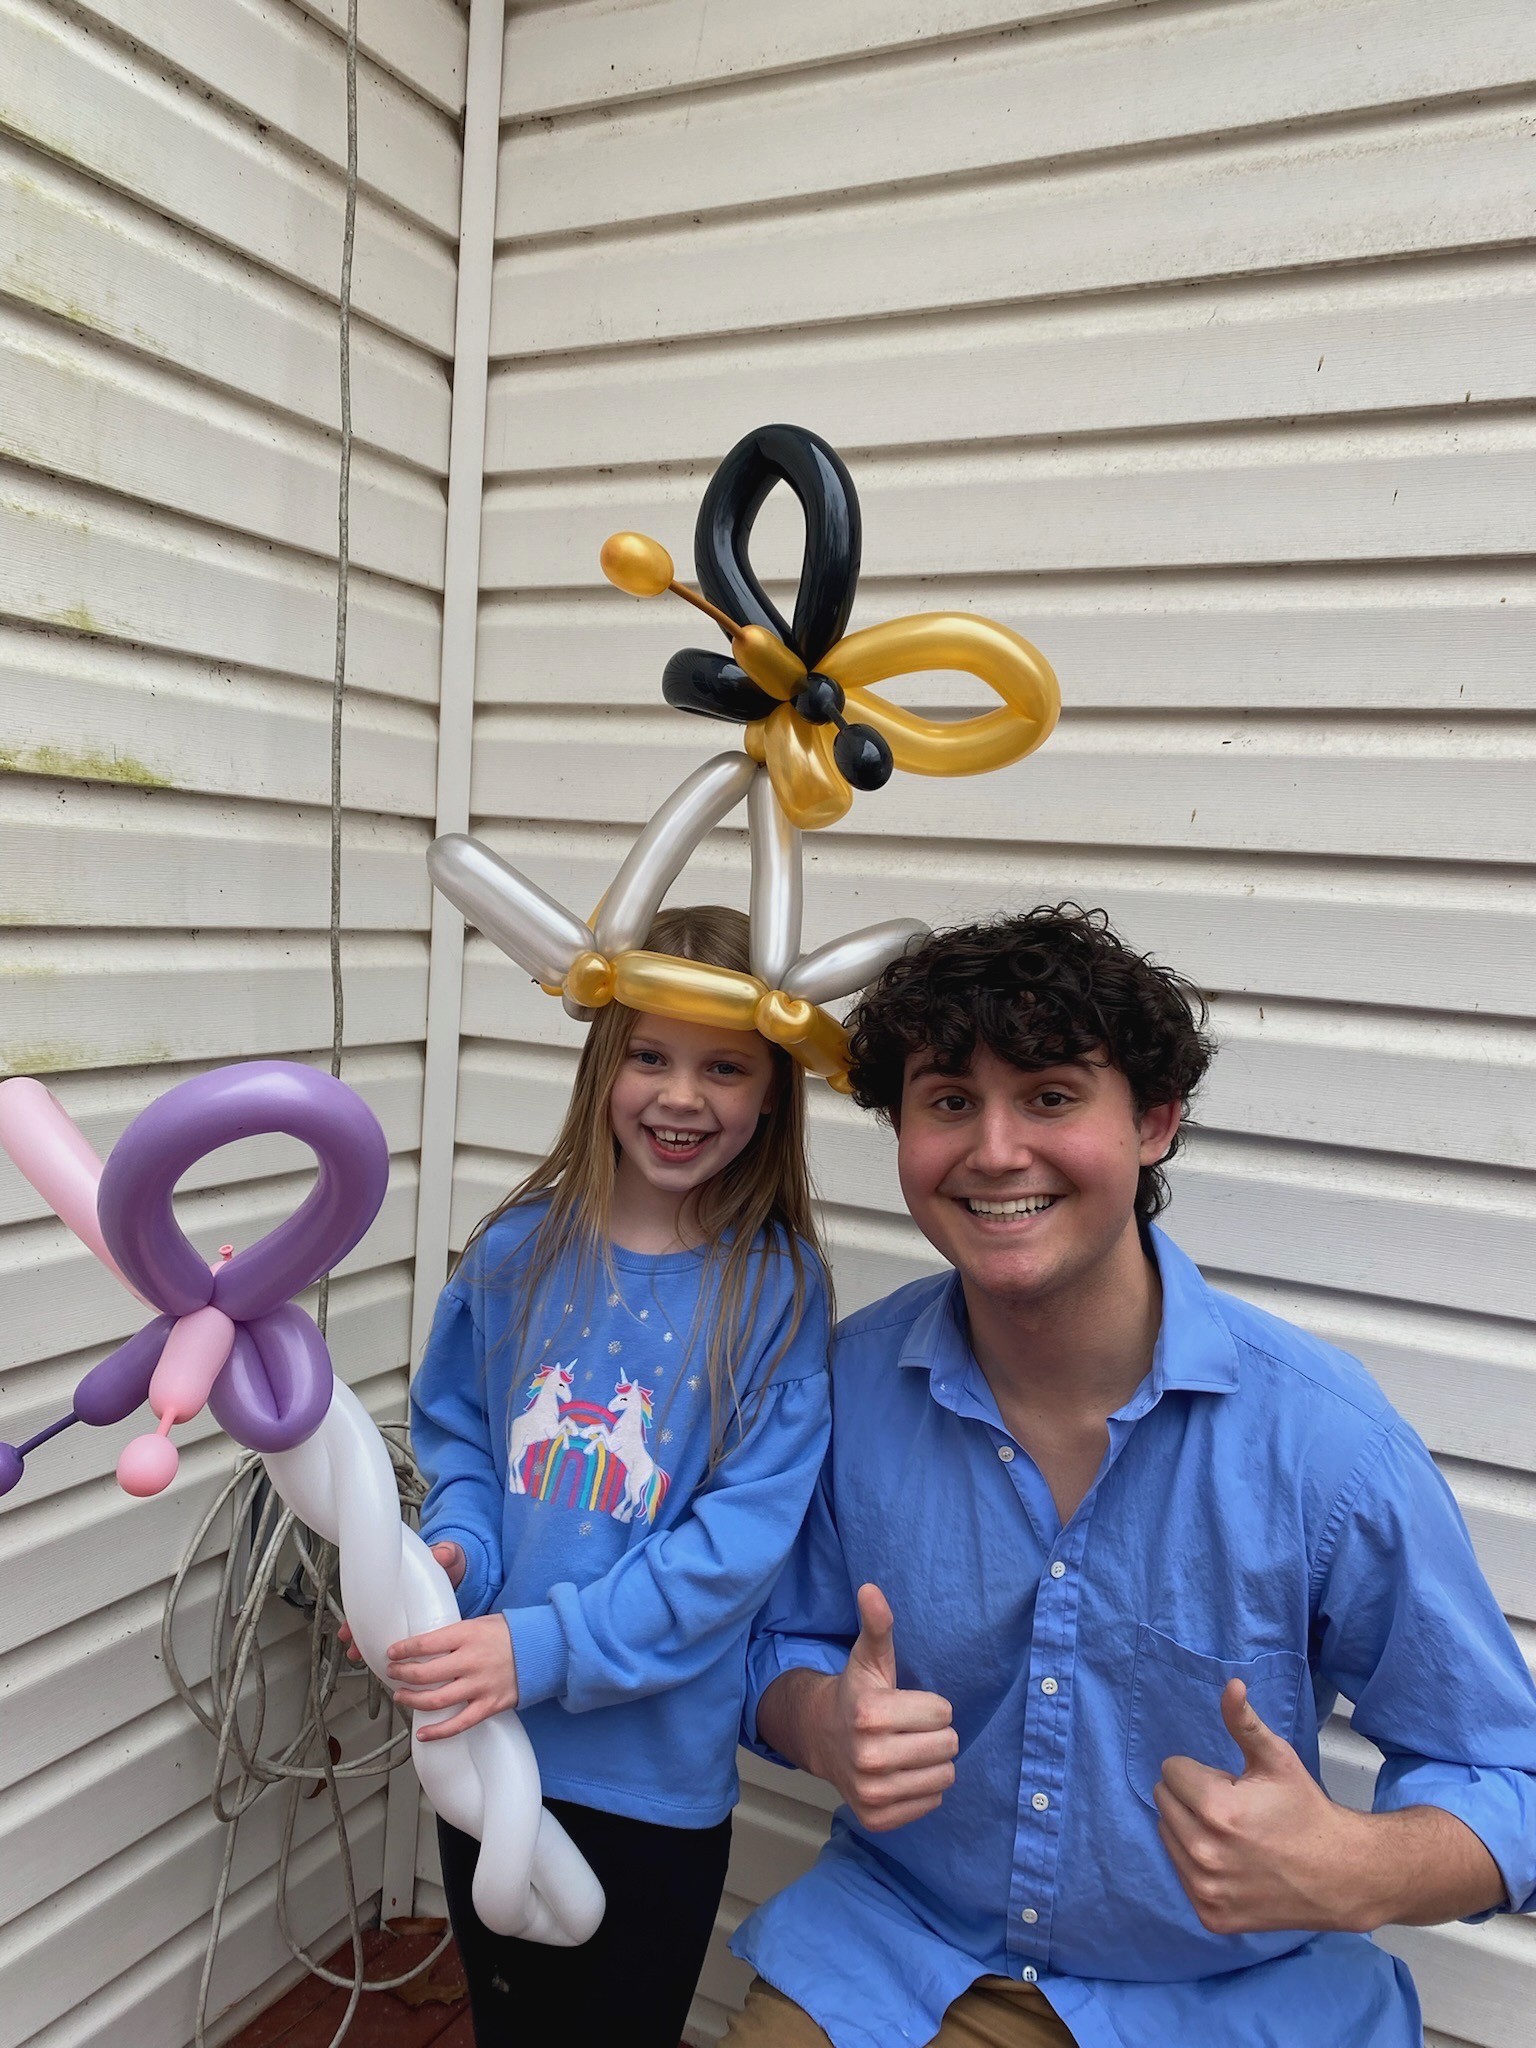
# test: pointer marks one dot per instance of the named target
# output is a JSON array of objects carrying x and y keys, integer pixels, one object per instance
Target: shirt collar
[{"x": 1194, "y": 1352}]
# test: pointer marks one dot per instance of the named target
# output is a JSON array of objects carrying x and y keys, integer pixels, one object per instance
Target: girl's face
[{"x": 687, "y": 1102}]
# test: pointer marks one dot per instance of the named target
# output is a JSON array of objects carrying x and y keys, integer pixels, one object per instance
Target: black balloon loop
[
  {"x": 829, "y": 569},
  {"x": 714, "y": 686}
]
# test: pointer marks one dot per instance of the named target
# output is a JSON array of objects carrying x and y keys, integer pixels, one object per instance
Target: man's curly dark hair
[{"x": 1037, "y": 988}]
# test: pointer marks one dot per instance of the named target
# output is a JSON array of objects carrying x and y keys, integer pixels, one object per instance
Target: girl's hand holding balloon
[
  {"x": 468, "y": 1665},
  {"x": 453, "y": 1561}
]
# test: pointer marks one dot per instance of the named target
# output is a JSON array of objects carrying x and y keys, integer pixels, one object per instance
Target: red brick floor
[{"x": 429, "y": 2012}]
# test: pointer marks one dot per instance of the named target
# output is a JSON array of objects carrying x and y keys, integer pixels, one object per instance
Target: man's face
[{"x": 1025, "y": 1181}]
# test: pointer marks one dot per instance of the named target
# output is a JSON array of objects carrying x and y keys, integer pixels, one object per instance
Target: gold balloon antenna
[{"x": 642, "y": 566}]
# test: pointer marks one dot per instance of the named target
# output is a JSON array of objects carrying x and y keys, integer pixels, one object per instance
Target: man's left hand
[
  {"x": 1265, "y": 1850},
  {"x": 468, "y": 1665}
]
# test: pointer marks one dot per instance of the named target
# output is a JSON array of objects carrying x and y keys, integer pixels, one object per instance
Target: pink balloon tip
[
  {"x": 226, "y": 1251},
  {"x": 147, "y": 1466}
]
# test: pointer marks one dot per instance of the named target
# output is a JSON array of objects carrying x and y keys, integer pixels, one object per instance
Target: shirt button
[
  {"x": 1049, "y": 1687},
  {"x": 1005, "y": 1452},
  {"x": 1039, "y": 1802},
  {"x": 1058, "y": 1570},
  {"x": 1029, "y": 1916},
  {"x": 1030, "y": 1975}
]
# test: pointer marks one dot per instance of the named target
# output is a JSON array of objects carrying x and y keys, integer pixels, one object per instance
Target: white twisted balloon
[{"x": 530, "y": 1879}]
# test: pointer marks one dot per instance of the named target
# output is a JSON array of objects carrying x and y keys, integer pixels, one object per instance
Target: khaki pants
[{"x": 994, "y": 2013}]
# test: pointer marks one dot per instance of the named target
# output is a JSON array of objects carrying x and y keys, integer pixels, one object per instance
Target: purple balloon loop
[{"x": 276, "y": 1387}]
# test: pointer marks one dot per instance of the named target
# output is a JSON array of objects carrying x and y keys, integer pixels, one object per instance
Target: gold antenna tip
[{"x": 637, "y": 563}]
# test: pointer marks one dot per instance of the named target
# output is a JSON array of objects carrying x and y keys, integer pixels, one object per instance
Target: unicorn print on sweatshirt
[
  {"x": 540, "y": 1423},
  {"x": 596, "y": 1458}
]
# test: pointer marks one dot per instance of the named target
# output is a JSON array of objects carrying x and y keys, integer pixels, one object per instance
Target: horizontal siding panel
[
  {"x": 97, "y": 260},
  {"x": 129, "y": 1000},
  {"x": 95, "y": 711},
  {"x": 100, "y": 1801},
  {"x": 94, "y": 566},
  {"x": 141, "y": 1898},
  {"x": 1262, "y": 782},
  {"x": 1403, "y": 1231},
  {"x": 81, "y": 1682},
  {"x": 1383, "y": 339},
  {"x": 1452, "y": 638},
  {"x": 1357, "y": 491},
  {"x": 155, "y": 1999},
  {"x": 103, "y": 1105},
  {"x": 1459, "y": 1088},
  {"x": 81, "y": 854},
  {"x": 75, "y": 97},
  {"x": 1112, "y": 83},
  {"x": 288, "y": 74},
  {"x": 1359, "y": 932},
  {"x": 423, "y": 42},
  {"x": 1378, "y": 189},
  {"x": 597, "y": 50},
  {"x": 73, "y": 408}
]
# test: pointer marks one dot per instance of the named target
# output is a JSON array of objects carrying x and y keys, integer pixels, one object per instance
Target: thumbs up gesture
[
  {"x": 888, "y": 1752},
  {"x": 1268, "y": 1849}
]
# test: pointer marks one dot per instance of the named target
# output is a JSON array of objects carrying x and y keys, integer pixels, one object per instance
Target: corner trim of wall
[{"x": 455, "y": 735}]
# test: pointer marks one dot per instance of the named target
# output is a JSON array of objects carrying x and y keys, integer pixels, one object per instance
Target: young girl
[{"x": 622, "y": 1411}]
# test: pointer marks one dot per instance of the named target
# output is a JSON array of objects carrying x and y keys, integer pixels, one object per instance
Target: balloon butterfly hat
[
  {"x": 815, "y": 731},
  {"x": 231, "y": 1336}
]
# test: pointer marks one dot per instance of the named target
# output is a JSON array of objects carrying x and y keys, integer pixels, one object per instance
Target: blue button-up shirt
[{"x": 1261, "y": 1513}]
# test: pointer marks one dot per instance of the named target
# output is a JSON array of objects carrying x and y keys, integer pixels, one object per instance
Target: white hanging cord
[{"x": 343, "y": 576}]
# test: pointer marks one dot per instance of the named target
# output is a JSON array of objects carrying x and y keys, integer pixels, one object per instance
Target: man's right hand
[
  {"x": 889, "y": 1753},
  {"x": 453, "y": 1561}
]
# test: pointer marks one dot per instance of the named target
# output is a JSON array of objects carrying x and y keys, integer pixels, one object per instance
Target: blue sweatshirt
[{"x": 576, "y": 1478}]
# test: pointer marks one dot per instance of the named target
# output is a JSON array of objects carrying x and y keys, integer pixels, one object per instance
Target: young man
[{"x": 1136, "y": 1537}]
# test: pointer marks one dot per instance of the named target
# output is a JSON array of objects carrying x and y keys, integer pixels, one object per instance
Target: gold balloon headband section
[
  {"x": 697, "y": 993},
  {"x": 796, "y": 738}
]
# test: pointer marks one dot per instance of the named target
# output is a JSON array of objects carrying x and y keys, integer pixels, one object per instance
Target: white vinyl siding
[
  {"x": 172, "y": 186},
  {"x": 1193, "y": 341}
]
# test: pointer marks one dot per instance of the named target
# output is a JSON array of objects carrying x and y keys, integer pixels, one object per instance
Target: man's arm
[
  {"x": 1270, "y": 1849},
  {"x": 888, "y": 1752},
  {"x": 1409, "y": 1631}
]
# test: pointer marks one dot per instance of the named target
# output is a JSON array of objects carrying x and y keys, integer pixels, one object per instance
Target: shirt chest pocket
[{"x": 1176, "y": 1705}]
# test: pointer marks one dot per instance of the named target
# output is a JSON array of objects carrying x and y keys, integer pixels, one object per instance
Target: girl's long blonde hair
[{"x": 759, "y": 1204}]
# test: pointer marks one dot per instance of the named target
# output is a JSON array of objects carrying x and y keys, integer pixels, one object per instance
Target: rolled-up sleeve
[
  {"x": 1412, "y": 1634},
  {"x": 810, "y": 1620}
]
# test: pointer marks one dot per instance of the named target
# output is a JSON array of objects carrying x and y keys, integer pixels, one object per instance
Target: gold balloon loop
[{"x": 1003, "y": 660}]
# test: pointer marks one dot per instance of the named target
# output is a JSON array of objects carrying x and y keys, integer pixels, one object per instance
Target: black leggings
[{"x": 633, "y": 1982}]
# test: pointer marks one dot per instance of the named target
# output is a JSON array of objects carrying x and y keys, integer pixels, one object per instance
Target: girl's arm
[
  {"x": 669, "y": 1607},
  {"x": 451, "y": 1434}
]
